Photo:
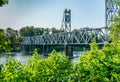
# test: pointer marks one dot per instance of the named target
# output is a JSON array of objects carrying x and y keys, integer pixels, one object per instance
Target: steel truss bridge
[{"x": 79, "y": 36}]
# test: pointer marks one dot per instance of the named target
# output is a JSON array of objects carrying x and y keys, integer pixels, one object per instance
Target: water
[{"x": 23, "y": 57}]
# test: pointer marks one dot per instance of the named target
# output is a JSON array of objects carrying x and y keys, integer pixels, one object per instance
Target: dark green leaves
[{"x": 3, "y": 2}]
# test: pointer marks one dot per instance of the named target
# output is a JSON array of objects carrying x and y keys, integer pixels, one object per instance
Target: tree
[
  {"x": 13, "y": 37},
  {"x": 47, "y": 31},
  {"x": 99, "y": 65},
  {"x": 27, "y": 31},
  {"x": 55, "y": 30},
  {"x": 11, "y": 32},
  {"x": 38, "y": 31},
  {"x": 3, "y": 2},
  {"x": 4, "y": 41}
]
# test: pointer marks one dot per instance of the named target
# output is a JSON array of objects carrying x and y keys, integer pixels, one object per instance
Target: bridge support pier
[
  {"x": 31, "y": 49},
  {"x": 45, "y": 50},
  {"x": 23, "y": 49},
  {"x": 68, "y": 49}
]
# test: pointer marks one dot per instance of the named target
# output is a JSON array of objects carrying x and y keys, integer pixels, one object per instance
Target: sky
[{"x": 48, "y": 13}]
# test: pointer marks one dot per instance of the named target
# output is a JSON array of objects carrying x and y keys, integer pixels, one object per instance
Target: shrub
[
  {"x": 100, "y": 65},
  {"x": 56, "y": 67},
  {"x": 94, "y": 65}
]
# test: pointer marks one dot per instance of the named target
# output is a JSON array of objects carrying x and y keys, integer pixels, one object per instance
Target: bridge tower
[
  {"x": 111, "y": 10},
  {"x": 66, "y": 27},
  {"x": 66, "y": 21}
]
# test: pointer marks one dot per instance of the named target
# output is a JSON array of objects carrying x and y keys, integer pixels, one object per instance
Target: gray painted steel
[{"x": 80, "y": 36}]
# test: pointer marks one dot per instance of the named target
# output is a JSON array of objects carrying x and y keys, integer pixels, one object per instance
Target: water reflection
[{"x": 23, "y": 57}]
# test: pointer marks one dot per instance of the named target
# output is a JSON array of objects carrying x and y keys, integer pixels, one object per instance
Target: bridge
[{"x": 80, "y": 36}]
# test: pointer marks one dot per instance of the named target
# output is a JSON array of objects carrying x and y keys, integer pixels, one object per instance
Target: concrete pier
[
  {"x": 46, "y": 50},
  {"x": 68, "y": 49}
]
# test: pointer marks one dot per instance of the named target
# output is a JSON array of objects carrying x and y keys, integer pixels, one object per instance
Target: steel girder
[
  {"x": 81, "y": 36},
  {"x": 66, "y": 21},
  {"x": 111, "y": 11}
]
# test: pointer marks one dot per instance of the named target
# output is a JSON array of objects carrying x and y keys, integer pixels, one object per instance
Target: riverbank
[{"x": 24, "y": 56}]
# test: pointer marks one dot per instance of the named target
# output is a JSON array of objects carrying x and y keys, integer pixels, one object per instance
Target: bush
[
  {"x": 56, "y": 67},
  {"x": 93, "y": 66},
  {"x": 100, "y": 65}
]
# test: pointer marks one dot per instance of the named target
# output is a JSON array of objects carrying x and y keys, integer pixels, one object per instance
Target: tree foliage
[
  {"x": 13, "y": 36},
  {"x": 33, "y": 31},
  {"x": 3, "y": 2},
  {"x": 100, "y": 65},
  {"x": 93, "y": 66},
  {"x": 27, "y": 31},
  {"x": 55, "y": 30},
  {"x": 56, "y": 67},
  {"x": 4, "y": 41}
]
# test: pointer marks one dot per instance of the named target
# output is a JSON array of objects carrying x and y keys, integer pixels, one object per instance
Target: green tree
[
  {"x": 55, "y": 68},
  {"x": 99, "y": 65},
  {"x": 47, "y": 31},
  {"x": 55, "y": 30},
  {"x": 38, "y": 31},
  {"x": 4, "y": 41},
  {"x": 27, "y": 31},
  {"x": 13, "y": 37},
  {"x": 31, "y": 31},
  {"x": 3, "y": 2}
]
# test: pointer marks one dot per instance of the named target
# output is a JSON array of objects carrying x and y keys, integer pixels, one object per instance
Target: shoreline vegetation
[{"x": 94, "y": 65}]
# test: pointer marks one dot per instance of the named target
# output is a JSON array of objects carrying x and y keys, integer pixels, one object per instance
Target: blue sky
[{"x": 49, "y": 13}]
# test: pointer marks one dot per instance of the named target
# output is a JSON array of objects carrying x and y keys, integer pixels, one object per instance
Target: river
[{"x": 23, "y": 57}]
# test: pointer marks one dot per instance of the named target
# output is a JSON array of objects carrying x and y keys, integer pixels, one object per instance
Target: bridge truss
[
  {"x": 111, "y": 11},
  {"x": 80, "y": 36}
]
